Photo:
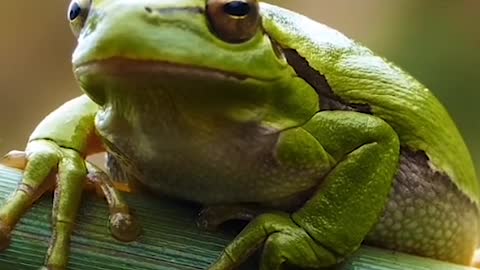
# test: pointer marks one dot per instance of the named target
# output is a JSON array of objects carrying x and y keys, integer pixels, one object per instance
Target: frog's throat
[{"x": 120, "y": 66}]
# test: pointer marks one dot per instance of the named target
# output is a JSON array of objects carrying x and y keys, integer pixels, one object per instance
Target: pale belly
[{"x": 226, "y": 166}]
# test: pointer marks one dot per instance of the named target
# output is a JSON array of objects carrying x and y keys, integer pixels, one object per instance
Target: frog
[{"x": 257, "y": 113}]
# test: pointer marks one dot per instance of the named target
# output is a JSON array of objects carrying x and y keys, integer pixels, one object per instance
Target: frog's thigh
[{"x": 346, "y": 205}]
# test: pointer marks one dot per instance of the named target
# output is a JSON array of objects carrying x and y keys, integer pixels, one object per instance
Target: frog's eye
[
  {"x": 234, "y": 21},
  {"x": 77, "y": 14}
]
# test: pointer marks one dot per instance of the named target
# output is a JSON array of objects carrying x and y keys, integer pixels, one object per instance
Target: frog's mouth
[
  {"x": 195, "y": 89},
  {"x": 119, "y": 66}
]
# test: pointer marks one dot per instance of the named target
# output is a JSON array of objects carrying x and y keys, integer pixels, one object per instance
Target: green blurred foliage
[{"x": 438, "y": 42}]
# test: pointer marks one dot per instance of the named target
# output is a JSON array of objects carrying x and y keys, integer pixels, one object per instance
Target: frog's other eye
[
  {"x": 234, "y": 21},
  {"x": 77, "y": 14}
]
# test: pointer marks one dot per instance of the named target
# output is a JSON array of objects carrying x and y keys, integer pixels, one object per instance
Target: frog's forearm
[
  {"x": 222, "y": 130},
  {"x": 70, "y": 126},
  {"x": 354, "y": 193},
  {"x": 346, "y": 204},
  {"x": 60, "y": 143}
]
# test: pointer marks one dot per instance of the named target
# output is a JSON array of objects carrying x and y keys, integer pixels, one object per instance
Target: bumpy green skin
[
  {"x": 184, "y": 113},
  {"x": 357, "y": 76}
]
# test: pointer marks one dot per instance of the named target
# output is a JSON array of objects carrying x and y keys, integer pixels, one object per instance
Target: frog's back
[{"x": 433, "y": 209}]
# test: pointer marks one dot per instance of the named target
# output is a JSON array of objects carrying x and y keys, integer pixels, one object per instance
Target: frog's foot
[
  {"x": 123, "y": 226},
  {"x": 46, "y": 165},
  {"x": 211, "y": 217},
  {"x": 284, "y": 243}
]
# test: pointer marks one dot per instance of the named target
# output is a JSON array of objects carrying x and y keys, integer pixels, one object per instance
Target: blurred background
[{"x": 438, "y": 42}]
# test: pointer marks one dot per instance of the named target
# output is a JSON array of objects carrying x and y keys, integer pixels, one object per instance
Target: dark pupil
[
  {"x": 75, "y": 11},
  {"x": 237, "y": 8}
]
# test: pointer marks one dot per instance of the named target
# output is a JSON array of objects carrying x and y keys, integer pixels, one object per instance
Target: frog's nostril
[{"x": 148, "y": 9}]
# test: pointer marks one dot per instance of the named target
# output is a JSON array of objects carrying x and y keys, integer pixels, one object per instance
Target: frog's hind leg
[
  {"x": 123, "y": 226},
  {"x": 346, "y": 204}
]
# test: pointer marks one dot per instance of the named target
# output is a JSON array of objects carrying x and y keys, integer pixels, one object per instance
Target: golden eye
[
  {"x": 77, "y": 14},
  {"x": 234, "y": 21}
]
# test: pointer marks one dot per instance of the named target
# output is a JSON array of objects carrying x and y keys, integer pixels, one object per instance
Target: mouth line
[{"x": 122, "y": 66}]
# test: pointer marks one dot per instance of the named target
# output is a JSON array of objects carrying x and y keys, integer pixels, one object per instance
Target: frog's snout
[{"x": 166, "y": 12}]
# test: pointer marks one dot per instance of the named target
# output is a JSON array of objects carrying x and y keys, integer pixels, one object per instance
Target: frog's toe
[
  {"x": 124, "y": 227},
  {"x": 15, "y": 159},
  {"x": 205, "y": 221}
]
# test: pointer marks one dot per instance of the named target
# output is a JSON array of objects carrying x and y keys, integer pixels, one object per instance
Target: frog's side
[
  {"x": 288, "y": 116},
  {"x": 426, "y": 214}
]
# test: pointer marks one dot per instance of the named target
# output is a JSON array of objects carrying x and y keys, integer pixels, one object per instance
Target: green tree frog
[{"x": 256, "y": 113}]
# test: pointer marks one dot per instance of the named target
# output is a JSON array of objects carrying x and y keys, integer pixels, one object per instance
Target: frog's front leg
[
  {"x": 348, "y": 201},
  {"x": 54, "y": 158}
]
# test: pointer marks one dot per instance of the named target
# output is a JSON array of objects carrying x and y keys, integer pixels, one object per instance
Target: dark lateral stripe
[{"x": 329, "y": 100}]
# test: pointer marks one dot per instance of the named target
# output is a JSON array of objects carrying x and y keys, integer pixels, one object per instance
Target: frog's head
[{"x": 210, "y": 56}]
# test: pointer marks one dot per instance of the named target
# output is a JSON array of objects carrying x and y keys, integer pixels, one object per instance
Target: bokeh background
[{"x": 436, "y": 41}]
